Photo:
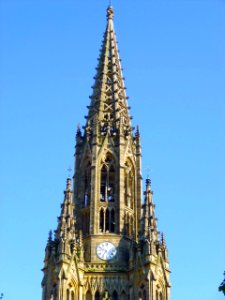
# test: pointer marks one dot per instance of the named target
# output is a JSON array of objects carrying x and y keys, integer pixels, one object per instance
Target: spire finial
[
  {"x": 148, "y": 183},
  {"x": 78, "y": 130},
  {"x": 137, "y": 133},
  {"x": 110, "y": 12},
  {"x": 50, "y": 236},
  {"x": 68, "y": 184}
]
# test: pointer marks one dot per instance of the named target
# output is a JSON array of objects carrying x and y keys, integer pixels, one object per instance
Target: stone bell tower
[{"x": 107, "y": 245}]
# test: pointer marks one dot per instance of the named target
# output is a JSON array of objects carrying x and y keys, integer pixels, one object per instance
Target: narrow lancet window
[
  {"x": 101, "y": 221},
  {"x": 129, "y": 185},
  {"x": 107, "y": 188},
  {"x": 88, "y": 296},
  {"x": 107, "y": 220},
  {"x": 72, "y": 296},
  {"x": 111, "y": 184},
  {"x": 97, "y": 296},
  {"x": 112, "y": 227},
  {"x": 103, "y": 183},
  {"x": 114, "y": 296},
  {"x": 144, "y": 295},
  {"x": 87, "y": 185},
  {"x": 123, "y": 296},
  {"x": 67, "y": 294}
]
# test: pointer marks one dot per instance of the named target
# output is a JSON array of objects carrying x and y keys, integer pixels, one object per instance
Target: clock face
[{"x": 106, "y": 251}]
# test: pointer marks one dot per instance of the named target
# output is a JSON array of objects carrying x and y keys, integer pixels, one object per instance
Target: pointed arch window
[
  {"x": 160, "y": 296},
  {"x": 107, "y": 220},
  {"x": 88, "y": 296},
  {"x": 87, "y": 185},
  {"x": 72, "y": 295},
  {"x": 123, "y": 296},
  {"x": 104, "y": 173},
  {"x": 101, "y": 222},
  {"x": 144, "y": 295},
  {"x": 112, "y": 221},
  {"x": 97, "y": 296},
  {"x": 67, "y": 294},
  {"x": 128, "y": 224},
  {"x": 114, "y": 296},
  {"x": 129, "y": 185},
  {"x": 107, "y": 188},
  {"x": 139, "y": 296}
]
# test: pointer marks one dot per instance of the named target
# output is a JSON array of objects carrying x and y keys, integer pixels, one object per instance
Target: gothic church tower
[{"x": 107, "y": 244}]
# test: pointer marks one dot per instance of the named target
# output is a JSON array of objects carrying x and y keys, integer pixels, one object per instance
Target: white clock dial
[{"x": 106, "y": 251}]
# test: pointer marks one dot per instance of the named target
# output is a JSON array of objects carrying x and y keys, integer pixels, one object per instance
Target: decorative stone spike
[
  {"x": 78, "y": 130},
  {"x": 148, "y": 184},
  {"x": 137, "y": 131},
  {"x": 163, "y": 239},
  {"x": 50, "y": 236},
  {"x": 68, "y": 184}
]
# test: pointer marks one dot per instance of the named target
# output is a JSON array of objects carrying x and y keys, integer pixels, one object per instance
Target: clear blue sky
[{"x": 173, "y": 58}]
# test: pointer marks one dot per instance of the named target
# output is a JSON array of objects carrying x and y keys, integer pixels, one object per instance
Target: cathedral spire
[
  {"x": 61, "y": 250},
  {"x": 106, "y": 245},
  {"x": 66, "y": 229},
  {"x": 149, "y": 221},
  {"x": 109, "y": 106}
]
